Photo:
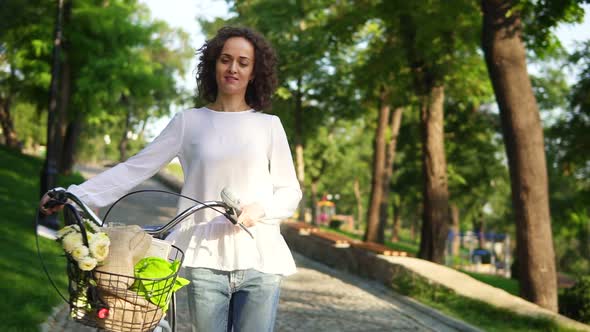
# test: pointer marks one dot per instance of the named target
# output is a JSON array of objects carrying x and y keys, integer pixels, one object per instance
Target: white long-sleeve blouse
[{"x": 246, "y": 151}]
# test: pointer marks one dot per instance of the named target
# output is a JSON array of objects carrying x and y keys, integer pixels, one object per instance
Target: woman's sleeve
[
  {"x": 286, "y": 190},
  {"x": 110, "y": 185}
]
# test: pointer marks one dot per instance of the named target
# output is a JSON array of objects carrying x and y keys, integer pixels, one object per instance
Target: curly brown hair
[{"x": 261, "y": 88}]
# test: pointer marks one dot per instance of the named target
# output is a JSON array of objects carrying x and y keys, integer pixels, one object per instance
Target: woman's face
[{"x": 235, "y": 66}]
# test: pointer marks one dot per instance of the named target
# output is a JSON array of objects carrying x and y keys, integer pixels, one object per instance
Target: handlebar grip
[
  {"x": 58, "y": 197},
  {"x": 229, "y": 198},
  {"x": 52, "y": 203}
]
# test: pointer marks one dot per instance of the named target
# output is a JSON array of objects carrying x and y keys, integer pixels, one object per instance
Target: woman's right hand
[{"x": 48, "y": 205}]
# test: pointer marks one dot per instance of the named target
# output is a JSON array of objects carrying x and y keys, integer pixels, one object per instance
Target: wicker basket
[{"x": 102, "y": 300}]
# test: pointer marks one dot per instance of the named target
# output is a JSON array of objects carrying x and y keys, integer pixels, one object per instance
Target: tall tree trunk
[
  {"x": 49, "y": 170},
  {"x": 300, "y": 163},
  {"x": 455, "y": 246},
  {"x": 62, "y": 122},
  {"x": 397, "y": 218},
  {"x": 523, "y": 137},
  {"x": 372, "y": 233},
  {"x": 71, "y": 138},
  {"x": 314, "y": 200},
  {"x": 10, "y": 138},
  {"x": 359, "y": 202},
  {"x": 394, "y": 125},
  {"x": 481, "y": 231},
  {"x": 435, "y": 216},
  {"x": 314, "y": 189}
]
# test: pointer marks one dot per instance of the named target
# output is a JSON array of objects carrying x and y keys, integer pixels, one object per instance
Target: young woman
[{"x": 235, "y": 279}]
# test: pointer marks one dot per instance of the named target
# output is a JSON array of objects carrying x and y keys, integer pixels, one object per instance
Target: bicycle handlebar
[{"x": 60, "y": 196}]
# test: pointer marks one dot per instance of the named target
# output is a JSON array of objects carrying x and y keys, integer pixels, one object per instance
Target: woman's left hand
[{"x": 250, "y": 215}]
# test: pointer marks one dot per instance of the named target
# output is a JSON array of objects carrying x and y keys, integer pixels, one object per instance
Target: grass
[
  {"x": 403, "y": 245},
  {"x": 477, "y": 313},
  {"x": 27, "y": 296},
  {"x": 509, "y": 285}
]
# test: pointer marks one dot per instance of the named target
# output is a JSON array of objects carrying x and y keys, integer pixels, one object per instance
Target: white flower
[
  {"x": 94, "y": 228},
  {"x": 72, "y": 241},
  {"x": 101, "y": 237},
  {"x": 67, "y": 230},
  {"x": 99, "y": 246},
  {"x": 80, "y": 252},
  {"x": 86, "y": 256},
  {"x": 87, "y": 263}
]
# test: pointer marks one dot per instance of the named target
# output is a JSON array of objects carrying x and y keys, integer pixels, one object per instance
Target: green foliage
[
  {"x": 574, "y": 302},
  {"x": 23, "y": 283},
  {"x": 333, "y": 155},
  {"x": 551, "y": 89},
  {"x": 472, "y": 141},
  {"x": 540, "y": 17},
  {"x": 30, "y": 124},
  {"x": 566, "y": 142},
  {"x": 572, "y": 130},
  {"x": 25, "y": 48},
  {"x": 121, "y": 64}
]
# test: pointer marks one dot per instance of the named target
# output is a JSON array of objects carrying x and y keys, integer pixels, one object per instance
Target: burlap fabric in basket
[
  {"x": 128, "y": 245},
  {"x": 128, "y": 311}
]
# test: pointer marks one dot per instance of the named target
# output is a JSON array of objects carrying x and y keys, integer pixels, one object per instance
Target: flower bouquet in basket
[
  {"x": 84, "y": 254},
  {"x": 86, "y": 257}
]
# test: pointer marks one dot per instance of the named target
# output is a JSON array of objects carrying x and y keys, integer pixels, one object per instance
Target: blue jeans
[{"x": 245, "y": 300}]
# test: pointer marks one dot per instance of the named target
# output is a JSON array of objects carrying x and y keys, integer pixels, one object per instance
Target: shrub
[
  {"x": 574, "y": 302},
  {"x": 335, "y": 224}
]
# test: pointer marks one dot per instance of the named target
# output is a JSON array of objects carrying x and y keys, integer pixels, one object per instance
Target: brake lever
[{"x": 233, "y": 210}]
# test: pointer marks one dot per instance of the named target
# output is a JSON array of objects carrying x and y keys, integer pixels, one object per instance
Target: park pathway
[{"x": 316, "y": 298}]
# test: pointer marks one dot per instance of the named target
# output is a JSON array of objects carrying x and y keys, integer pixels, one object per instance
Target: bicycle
[{"x": 101, "y": 299}]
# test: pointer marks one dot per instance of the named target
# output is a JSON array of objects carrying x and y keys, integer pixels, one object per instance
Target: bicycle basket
[{"x": 105, "y": 300}]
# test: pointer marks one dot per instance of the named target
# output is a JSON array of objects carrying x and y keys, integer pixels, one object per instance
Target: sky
[{"x": 184, "y": 14}]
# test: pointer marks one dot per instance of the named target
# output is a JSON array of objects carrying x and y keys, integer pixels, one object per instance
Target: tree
[
  {"x": 123, "y": 68},
  {"x": 505, "y": 56},
  {"x": 49, "y": 170},
  {"x": 434, "y": 53},
  {"x": 390, "y": 154},
  {"x": 25, "y": 47},
  {"x": 374, "y": 232}
]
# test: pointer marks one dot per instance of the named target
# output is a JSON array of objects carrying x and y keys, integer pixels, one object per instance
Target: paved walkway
[{"x": 316, "y": 298}]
